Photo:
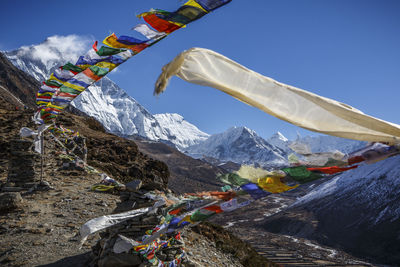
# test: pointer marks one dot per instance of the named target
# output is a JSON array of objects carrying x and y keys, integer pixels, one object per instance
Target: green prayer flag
[
  {"x": 301, "y": 174},
  {"x": 232, "y": 179},
  {"x": 200, "y": 216},
  {"x": 69, "y": 90},
  {"x": 71, "y": 67},
  {"x": 109, "y": 51},
  {"x": 52, "y": 83},
  {"x": 98, "y": 71}
]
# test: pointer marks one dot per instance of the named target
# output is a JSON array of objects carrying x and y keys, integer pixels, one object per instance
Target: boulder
[{"x": 134, "y": 185}]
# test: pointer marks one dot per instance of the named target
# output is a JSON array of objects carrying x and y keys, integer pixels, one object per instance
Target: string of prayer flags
[
  {"x": 373, "y": 152},
  {"x": 70, "y": 80}
]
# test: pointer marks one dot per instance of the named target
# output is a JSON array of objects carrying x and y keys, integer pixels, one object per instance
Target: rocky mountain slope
[
  {"x": 187, "y": 174},
  {"x": 16, "y": 87},
  {"x": 357, "y": 211},
  {"x": 240, "y": 145},
  {"x": 118, "y": 112}
]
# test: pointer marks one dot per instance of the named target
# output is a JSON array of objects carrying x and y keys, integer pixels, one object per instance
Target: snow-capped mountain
[
  {"x": 240, "y": 145},
  {"x": 109, "y": 104},
  {"x": 358, "y": 210},
  {"x": 40, "y": 60},
  {"x": 318, "y": 143},
  {"x": 378, "y": 183},
  {"x": 183, "y": 131},
  {"x": 280, "y": 141},
  {"x": 326, "y": 143}
]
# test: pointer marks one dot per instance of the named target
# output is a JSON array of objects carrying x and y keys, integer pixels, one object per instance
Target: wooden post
[{"x": 41, "y": 156}]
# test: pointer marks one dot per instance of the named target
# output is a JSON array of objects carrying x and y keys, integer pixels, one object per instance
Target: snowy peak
[
  {"x": 186, "y": 133},
  {"x": 240, "y": 145},
  {"x": 105, "y": 101},
  {"x": 40, "y": 60},
  {"x": 279, "y": 136},
  {"x": 279, "y": 140}
]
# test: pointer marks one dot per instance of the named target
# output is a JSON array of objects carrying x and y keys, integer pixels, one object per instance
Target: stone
[
  {"x": 121, "y": 260},
  {"x": 44, "y": 186},
  {"x": 134, "y": 185},
  {"x": 10, "y": 201}
]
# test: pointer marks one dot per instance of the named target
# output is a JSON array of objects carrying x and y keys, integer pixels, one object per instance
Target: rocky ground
[{"x": 40, "y": 227}]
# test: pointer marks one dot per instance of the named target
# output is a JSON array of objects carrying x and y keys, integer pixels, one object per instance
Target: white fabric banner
[
  {"x": 106, "y": 221},
  {"x": 288, "y": 103}
]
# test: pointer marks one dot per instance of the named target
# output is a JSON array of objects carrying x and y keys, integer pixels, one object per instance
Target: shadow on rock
[{"x": 76, "y": 261}]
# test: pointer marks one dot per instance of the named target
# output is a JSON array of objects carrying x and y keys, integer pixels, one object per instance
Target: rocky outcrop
[{"x": 23, "y": 87}]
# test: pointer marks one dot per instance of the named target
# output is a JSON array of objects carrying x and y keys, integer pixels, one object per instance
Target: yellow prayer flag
[
  {"x": 194, "y": 4},
  {"x": 274, "y": 185}
]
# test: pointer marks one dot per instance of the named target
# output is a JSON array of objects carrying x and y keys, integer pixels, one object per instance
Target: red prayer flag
[
  {"x": 332, "y": 170},
  {"x": 160, "y": 24}
]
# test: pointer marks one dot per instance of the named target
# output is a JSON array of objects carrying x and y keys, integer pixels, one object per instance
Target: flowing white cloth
[
  {"x": 288, "y": 103},
  {"x": 106, "y": 221}
]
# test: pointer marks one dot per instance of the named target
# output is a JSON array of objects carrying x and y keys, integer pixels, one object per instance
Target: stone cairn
[
  {"x": 21, "y": 171},
  {"x": 135, "y": 228}
]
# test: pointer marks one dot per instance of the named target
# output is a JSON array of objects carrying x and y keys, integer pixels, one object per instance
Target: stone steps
[{"x": 284, "y": 257}]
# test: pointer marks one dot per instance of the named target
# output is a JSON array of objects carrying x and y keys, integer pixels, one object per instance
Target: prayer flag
[
  {"x": 210, "y": 5},
  {"x": 254, "y": 191},
  {"x": 160, "y": 24},
  {"x": 301, "y": 174},
  {"x": 147, "y": 32}
]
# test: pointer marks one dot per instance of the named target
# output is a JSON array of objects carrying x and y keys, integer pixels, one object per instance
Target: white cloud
[{"x": 54, "y": 48}]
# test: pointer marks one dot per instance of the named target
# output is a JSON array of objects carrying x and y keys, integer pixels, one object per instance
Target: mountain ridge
[
  {"x": 119, "y": 113},
  {"x": 241, "y": 145}
]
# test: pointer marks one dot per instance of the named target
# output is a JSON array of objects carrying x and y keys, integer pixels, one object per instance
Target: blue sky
[{"x": 347, "y": 50}]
